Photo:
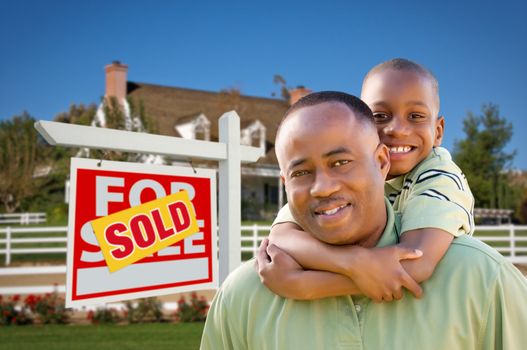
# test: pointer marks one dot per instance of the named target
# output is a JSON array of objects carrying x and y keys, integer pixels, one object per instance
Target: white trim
[
  {"x": 70, "y": 135},
  {"x": 33, "y": 270},
  {"x": 261, "y": 171}
]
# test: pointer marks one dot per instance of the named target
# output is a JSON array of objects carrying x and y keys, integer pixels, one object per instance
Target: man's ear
[
  {"x": 282, "y": 179},
  {"x": 382, "y": 155},
  {"x": 439, "y": 131}
]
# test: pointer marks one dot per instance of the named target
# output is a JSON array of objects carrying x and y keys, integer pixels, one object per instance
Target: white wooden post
[
  {"x": 228, "y": 152},
  {"x": 229, "y": 196},
  {"x": 8, "y": 245},
  {"x": 255, "y": 239},
  {"x": 513, "y": 243}
]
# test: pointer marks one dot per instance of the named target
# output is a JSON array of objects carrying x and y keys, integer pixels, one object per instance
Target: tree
[
  {"x": 482, "y": 157},
  {"x": 230, "y": 99},
  {"x": 130, "y": 116},
  {"x": 78, "y": 114},
  {"x": 284, "y": 90},
  {"x": 21, "y": 150}
]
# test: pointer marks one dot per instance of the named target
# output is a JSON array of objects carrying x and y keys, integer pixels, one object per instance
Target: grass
[{"x": 171, "y": 336}]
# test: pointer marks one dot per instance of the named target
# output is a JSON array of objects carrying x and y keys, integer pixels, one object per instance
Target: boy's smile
[{"x": 405, "y": 107}]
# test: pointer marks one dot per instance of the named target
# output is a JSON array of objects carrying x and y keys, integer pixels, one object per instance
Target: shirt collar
[
  {"x": 396, "y": 184},
  {"x": 390, "y": 235}
]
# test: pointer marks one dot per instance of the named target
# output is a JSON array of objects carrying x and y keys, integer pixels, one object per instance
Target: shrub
[
  {"x": 49, "y": 309},
  {"x": 146, "y": 310},
  {"x": 13, "y": 314},
  {"x": 193, "y": 311},
  {"x": 104, "y": 316}
]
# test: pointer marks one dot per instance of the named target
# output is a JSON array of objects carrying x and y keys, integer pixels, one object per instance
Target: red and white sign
[{"x": 99, "y": 189}]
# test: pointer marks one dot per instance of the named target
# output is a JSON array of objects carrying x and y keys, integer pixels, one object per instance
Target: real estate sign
[{"x": 157, "y": 226}]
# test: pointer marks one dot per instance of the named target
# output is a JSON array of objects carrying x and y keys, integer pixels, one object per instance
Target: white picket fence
[
  {"x": 10, "y": 238},
  {"x": 22, "y": 218},
  {"x": 513, "y": 244}
]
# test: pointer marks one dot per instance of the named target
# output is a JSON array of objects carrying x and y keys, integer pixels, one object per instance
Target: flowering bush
[
  {"x": 49, "y": 308},
  {"x": 193, "y": 311},
  {"x": 12, "y": 313},
  {"x": 103, "y": 316},
  {"x": 146, "y": 310}
]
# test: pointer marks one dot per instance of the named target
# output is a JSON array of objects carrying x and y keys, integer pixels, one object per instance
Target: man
[{"x": 334, "y": 168}]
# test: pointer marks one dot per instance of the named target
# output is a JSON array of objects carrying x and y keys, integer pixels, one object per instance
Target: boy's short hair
[{"x": 402, "y": 64}]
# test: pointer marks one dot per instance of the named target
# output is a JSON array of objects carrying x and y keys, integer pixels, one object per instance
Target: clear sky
[{"x": 53, "y": 53}]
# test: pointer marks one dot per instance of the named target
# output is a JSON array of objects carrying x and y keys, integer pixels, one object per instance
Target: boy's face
[{"x": 405, "y": 109}]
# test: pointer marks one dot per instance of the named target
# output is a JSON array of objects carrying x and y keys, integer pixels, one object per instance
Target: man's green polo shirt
[{"x": 475, "y": 300}]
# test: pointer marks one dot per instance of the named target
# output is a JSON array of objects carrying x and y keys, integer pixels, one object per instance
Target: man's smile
[{"x": 331, "y": 210}]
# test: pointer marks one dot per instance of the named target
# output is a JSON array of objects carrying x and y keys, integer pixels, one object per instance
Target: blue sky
[{"x": 53, "y": 53}]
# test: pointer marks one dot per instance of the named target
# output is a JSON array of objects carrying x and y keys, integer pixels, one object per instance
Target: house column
[{"x": 280, "y": 193}]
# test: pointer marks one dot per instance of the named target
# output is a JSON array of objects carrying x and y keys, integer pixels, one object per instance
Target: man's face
[
  {"x": 405, "y": 108},
  {"x": 334, "y": 170}
]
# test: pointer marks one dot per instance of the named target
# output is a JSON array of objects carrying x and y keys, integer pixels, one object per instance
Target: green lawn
[{"x": 136, "y": 336}]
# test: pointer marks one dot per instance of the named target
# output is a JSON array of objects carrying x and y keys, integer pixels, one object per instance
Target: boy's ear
[
  {"x": 439, "y": 131},
  {"x": 382, "y": 154}
]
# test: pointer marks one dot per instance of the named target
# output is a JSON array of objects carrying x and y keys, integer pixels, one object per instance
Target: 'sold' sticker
[{"x": 132, "y": 234}]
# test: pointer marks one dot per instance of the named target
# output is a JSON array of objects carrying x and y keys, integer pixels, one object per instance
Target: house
[{"x": 194, "y": 114}]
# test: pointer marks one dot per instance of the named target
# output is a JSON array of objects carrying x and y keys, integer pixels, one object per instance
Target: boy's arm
[
  {"x": 433, "y": 243},
  {"x": 438, "y": 209},
  {"x": 284, "y": 276},
  {"x": 376, "y": 273}
]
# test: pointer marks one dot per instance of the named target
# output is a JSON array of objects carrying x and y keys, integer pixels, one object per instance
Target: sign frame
[{"x": 84, "y": 163}]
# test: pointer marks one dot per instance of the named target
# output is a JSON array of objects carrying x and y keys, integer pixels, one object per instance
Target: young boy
[{"x": 429, "y": 194}]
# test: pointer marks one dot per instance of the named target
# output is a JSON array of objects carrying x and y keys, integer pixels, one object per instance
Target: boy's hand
[
  {"x": 279, "y": 271},
  {"x": 383, "y": 277},
  {"x": 380, "y": 276}
]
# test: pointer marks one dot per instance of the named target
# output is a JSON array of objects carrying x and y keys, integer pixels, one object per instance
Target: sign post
[{"x": 228, "y": 152}]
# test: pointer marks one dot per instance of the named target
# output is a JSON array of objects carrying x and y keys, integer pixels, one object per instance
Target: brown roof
[{"x": 169, "y": 105}]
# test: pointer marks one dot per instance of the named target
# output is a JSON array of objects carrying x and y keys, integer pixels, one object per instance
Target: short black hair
[
  {"x": 403, "y": 64},
  {"x": 361, "y": 110},
  {"x": 354, "y": 103}
]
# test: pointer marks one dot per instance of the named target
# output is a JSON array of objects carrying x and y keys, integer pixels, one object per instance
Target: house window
[
  {"x": 254, "y": 135},
  {"x": 200, "y": 133},
  {"x": 256, "y": 138},
  {"x": 202, "y": 128},
  {"x": 270, "y": 194},
  {"x": 195, "y": 127}
]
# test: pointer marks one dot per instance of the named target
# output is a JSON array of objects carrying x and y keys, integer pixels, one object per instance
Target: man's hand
[{"x": 379, "y": 275}]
